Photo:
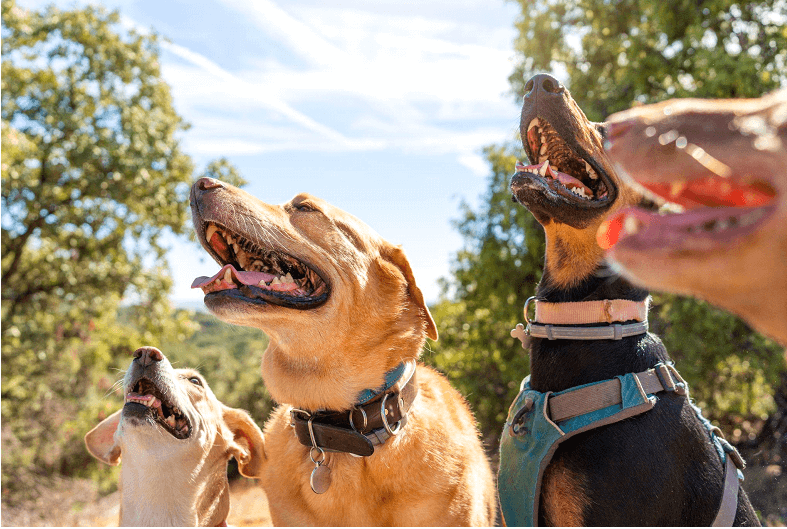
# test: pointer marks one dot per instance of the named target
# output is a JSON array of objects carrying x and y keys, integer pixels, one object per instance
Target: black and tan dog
[{"x": 658, "y": 467}]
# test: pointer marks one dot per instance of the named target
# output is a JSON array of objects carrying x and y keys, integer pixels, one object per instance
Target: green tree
[
  {"x": 625, "y": 51},
  {"x": 619, "y": 52},
  {"x": 92, "y": 177},
  {"x": 492, "y": 275}
]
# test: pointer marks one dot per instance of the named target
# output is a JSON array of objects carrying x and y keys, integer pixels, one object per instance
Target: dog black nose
[
  {"x": 148, "y": 355},
  {"x": 543, "y": 83}
]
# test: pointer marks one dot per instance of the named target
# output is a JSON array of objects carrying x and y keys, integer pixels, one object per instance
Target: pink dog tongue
[{"x": 247, "y": 278}]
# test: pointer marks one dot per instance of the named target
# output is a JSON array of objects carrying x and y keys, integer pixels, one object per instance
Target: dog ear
[
  {"x": 248, "y": 444},
  {"x": 100, "y": 441},
  {"x": 395, "y": 255}
]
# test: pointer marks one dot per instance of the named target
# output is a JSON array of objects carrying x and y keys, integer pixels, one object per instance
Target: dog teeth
[
  {"x": 591, "y": 173},
  {"x": 210, "y": 232},
  {"x": 276, "y": 281},
  {"x": 535, "y": 122},
  {"x": 543, "y": 150},
  {"x": 676, "y": 188},
  {"x": 243, "y": 258},
  {"x": 170, "y": 421},
  {"x": 288, "y": 278},
  {"x": 543, "y": 169},
  {"x": 631, "y": 225},
  {"x": 580, "y": 192},
  {"x": 227, "y": 276}
]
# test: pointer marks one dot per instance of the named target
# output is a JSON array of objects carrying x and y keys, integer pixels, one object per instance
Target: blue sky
[{"x": 380, "y": 107}]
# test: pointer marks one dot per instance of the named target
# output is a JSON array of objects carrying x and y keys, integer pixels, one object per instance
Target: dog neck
[
  {"x": 172, "y": 489},
  {"x": 325, "y": 375},
  {"x": 593, "y": 360}
]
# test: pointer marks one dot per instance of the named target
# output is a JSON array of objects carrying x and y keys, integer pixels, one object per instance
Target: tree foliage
[
  {"x": 614, "y": 53},
  {"x": 623, "y": 51},
  {"x": 92, "y": 177}
]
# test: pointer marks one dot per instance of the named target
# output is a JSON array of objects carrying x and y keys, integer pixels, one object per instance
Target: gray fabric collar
[{"x": 615, "y": 331}]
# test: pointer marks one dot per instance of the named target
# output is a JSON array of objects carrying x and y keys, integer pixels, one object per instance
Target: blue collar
[{"x": 391, "y": 378}]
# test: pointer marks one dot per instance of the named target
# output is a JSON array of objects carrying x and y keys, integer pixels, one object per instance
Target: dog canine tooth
[
  {"x": 535, "y": 122},
  {"x": 227, "y": 276},
  {"x": 591, "y": 173},
  {"x": 543, "y": 169},
  {"x": 212, "y": 229}
]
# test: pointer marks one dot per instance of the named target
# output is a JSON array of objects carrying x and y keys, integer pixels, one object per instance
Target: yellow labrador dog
[
  {"x": 364, "y": 434},
  {"x": 175, "y": 439}
]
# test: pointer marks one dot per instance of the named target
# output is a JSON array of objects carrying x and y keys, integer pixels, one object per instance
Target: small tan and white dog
[{"x": 175, "y": 438}]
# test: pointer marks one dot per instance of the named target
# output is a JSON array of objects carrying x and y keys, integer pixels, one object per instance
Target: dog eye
[
  {"x": 303, "y": 206},
  {"x": 196, "y": 381}
]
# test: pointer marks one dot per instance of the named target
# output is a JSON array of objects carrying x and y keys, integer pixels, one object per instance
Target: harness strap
[
  {"x": 538, "y": 422},
  {"x": 587, "y": 399},
  {"x": 729, "y": 499}
]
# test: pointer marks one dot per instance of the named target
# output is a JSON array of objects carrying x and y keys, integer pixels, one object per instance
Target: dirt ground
[{"x": 76, "y": 503}]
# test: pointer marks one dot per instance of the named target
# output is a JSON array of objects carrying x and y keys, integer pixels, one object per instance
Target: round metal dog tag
[{"x": 320, "y": 479}]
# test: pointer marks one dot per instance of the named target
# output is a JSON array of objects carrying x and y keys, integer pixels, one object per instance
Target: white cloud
[
  {"x": 477, "y": 164},
  {"x": 377, "y": 81}
]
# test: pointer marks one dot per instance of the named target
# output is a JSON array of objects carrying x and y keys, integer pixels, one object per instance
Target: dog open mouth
[
  {"x": 716, "y": 211},
  {"x": 259, "y": 275},
  {"x": 146, "y": 401},
  {"x": 558, "y": 169}
]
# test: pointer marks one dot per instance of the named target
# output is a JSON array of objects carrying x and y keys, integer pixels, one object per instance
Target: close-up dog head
[
  {"x": 172, "y": 415},
  {"x": 725, "y": 163},
  {"x": 570, "y": 186},
  {"x": 316, "y": 279}
]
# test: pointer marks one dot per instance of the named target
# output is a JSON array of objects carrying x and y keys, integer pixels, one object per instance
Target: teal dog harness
[{"x": 538, "y": 422}]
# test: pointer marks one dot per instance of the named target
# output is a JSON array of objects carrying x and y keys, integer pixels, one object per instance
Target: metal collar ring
[
  {"x": 383, "y": 413},
  {"x": 363, "y": 413}
]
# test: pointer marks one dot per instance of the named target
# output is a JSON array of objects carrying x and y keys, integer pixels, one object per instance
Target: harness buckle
[
  {"x": 668, "y": 375},
  {"x": 527, "y": 305}
]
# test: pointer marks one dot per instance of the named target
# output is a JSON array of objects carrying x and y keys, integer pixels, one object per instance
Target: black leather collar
[{"x": 358, "y": 430}]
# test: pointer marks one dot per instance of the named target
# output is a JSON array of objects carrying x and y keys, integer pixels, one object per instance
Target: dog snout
[
  {"x": 542, "y": 84},
  {"x": 205, "y": 185},
  {"x": 147, "y": 355}
]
